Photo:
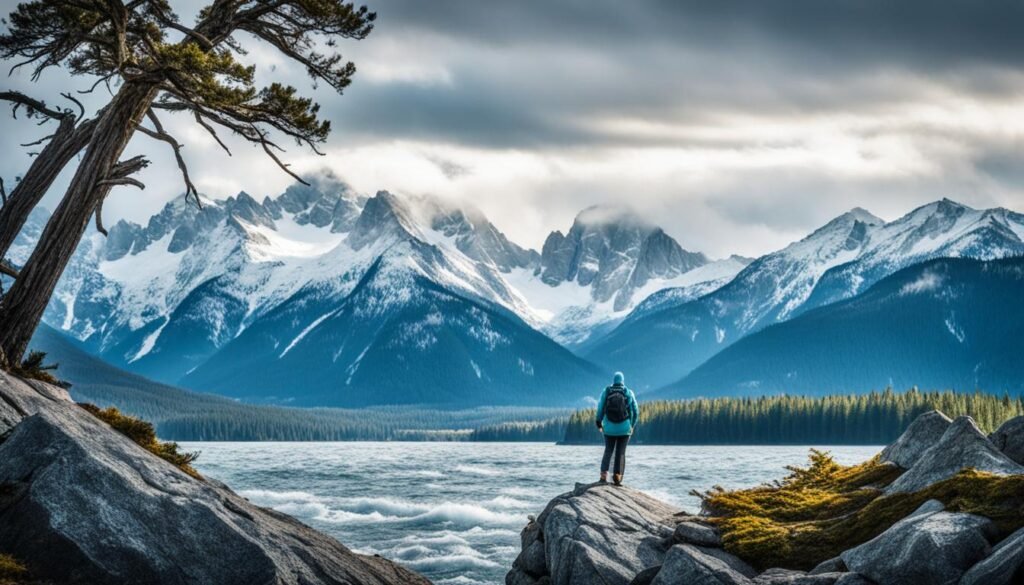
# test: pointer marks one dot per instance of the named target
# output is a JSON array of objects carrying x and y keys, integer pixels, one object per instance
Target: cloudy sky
[{"x": 737, "y": 126}]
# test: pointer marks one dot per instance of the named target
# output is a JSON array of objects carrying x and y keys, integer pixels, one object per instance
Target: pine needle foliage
[{"x": 143, "y": 434}]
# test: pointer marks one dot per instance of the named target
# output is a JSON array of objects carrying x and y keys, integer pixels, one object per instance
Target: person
[{"x": 617, "y": 415}]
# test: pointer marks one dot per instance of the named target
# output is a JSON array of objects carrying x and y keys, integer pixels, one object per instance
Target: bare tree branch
[
  {"x": 104, "y": 79},
  {"x": 33, "y": 106},
  {"x": 202, "y": 122},
  {"x": 38, "y": 142},
  {"x": 170, "y": 22},
  {"x": 3, "y": 191},
  {"x": 120, "y": 174},
  {"x": 71, "y": 98},
  {"x": 163, "y": 135},
  {"x": 7, "y": 269},
  {"x": 99, "y": 219},
  {"x": 126, "y": 181}
]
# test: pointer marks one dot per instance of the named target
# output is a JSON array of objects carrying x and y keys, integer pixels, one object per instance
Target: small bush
[
  {"x": 11, "y": 571},
  {"x": 143, "y": 434},
  {"x": 34, "y": 367},
  {"x": 819, "y": 511}
]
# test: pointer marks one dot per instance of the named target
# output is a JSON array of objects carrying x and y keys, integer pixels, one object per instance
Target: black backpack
[{"x": 616, "y": 404}]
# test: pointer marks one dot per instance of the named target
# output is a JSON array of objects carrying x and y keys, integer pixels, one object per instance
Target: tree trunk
[
  {"x": 67, "y": 141},
  {"x": 23, "y": 306}
]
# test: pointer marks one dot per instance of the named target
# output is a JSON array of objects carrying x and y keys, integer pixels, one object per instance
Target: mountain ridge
[
  {"x": 665, "y": 344},
  {"x": 944, "y": 323}
]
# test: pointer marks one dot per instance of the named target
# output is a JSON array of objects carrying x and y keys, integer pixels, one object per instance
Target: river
[{"x": 453, "y": 511}]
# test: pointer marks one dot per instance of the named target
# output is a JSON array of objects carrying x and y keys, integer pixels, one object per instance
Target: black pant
[{"x": 617, "y": 444}]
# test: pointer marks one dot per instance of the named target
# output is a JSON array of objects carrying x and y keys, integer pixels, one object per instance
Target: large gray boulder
[
  {"x": 81, "y": 503},
  {"x": 692, "y": 531},
  {"x": 963, "y": 445},
  {"x": 788, "y": 577},
  {"x": 1005, "y": 566},
  {"x": 923, "y": 432},
  {"x": 929, "y": 546},
  {"x": 694, "y": 565},
  {"x": 597, "y": 533},
  {"x": 1009, "y": 439}
]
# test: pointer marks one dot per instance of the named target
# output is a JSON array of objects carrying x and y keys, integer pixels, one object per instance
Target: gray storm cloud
[{"x": 737, "y": 126}]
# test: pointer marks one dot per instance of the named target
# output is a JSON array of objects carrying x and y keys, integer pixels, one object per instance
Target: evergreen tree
[{"x": 129, "y": 43}]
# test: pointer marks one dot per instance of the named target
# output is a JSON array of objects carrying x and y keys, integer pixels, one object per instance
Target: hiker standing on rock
[{"x": 617, "y": 414}]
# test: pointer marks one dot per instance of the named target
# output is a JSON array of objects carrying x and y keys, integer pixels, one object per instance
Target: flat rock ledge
[{"x": 81, "y": 503}]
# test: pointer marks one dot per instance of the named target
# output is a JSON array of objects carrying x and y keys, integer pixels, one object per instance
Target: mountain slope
[
  {"x": 397, "y": 338},
  {"x": 183, "y": 415},
  {"x": 347, "y": 287},
  {"x": 946, "y": 323},
  {"x": 836, "y": 261}
]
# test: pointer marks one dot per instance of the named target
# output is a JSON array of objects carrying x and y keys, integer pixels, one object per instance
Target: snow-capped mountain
[
  {"x": 837, "y": 261},
  {"x": 589, "y": 279},
  {"x": 941, "y": 229},
  {"x": 257, "y": 299},
  {"x": 948, "y": 323}
]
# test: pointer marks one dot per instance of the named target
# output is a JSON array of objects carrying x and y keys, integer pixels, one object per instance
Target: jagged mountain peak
[
  {"x": 844, "y": 222},
  {"x": 384, "y": 216},
  {"x": 615, "y": 252},
  {"x": 863, "y": 215},
  {"x": 611, "y": 215}
]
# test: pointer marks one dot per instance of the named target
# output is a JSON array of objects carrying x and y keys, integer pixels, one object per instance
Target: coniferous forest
[{"x": 868, "y": 419}]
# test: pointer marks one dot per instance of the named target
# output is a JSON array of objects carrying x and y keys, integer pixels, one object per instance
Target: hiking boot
[
  {"x": 604, "y": 477},
  {"x": 617, "y": 478}
]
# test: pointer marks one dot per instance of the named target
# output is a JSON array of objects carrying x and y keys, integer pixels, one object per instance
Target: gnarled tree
[
  {"x": 70, "y": 137},
  {"x": 199, "y": 74}
]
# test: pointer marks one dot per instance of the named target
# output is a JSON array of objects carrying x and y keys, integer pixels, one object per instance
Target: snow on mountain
[
  {"x": 946, "y": 323},
  {"x": 840, "y": 259},
  {"x": 610, "y": 260},
  {"x": 399, "y": 337},
  {"x": 941, "y": 229},
  {"x": 176, "y": 298}
]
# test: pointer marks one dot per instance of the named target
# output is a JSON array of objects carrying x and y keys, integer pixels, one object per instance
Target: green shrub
[
  {"x": 143, "y": 434},
  {"x": 819, "y": 511},
  {"x": 33, "y": 367}
]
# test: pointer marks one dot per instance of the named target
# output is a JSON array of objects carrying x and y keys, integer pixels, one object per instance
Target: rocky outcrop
[
  {"x": 929, "y": 546},
  {"x": 81, "y": 503},
  {"x": 788, "y": 577},
  {"x": 962, "y": 446},
  {"x": 695, "y": 532},
  {"x": 1005, "y": 566},
  {"x": 596, "y": 533},
  {"x": 615, "y": 535},
  {"x": 690, "y": 564},
  {"x": 923, "y": 432},
  {"x": 1009, "y": 438},
  {"x": 610, "y": 535}
]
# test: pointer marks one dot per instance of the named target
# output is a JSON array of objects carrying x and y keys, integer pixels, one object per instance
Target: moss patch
[
  {"x": 143, "y": 434},
  {"x": 819, "y": 511},
  {"x": 11, "y": 571}
]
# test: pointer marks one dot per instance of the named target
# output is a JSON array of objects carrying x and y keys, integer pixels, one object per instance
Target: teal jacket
[{"x": 613, "y": 429}]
